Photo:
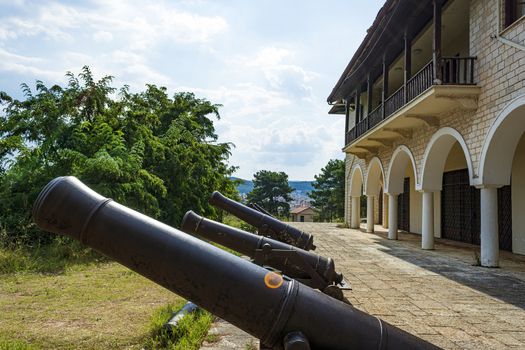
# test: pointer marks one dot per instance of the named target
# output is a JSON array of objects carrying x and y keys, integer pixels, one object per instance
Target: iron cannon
[
  {"x": 266, "y": 225},
  {"x": 306, "y": 267},
  {"x": 281, "y": 312}
]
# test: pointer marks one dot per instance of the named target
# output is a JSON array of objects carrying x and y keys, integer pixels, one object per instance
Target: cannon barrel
[
  {"x": 260, "y": 302},
  {"x": 266, "y": 225},
  {"x": 248, "y": 244}
]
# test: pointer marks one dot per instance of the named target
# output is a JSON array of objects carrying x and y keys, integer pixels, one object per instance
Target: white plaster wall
[
  {"x": 416, "y": 202},
  {"x": 518, "y": 199}
]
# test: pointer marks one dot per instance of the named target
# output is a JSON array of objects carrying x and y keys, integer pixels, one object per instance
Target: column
[
  {"x": 357, "y": 105},
  {"x": 347, "y": 115},
  {"x": 370, "y": 214},
  {"x": 489, "y": 227},
  {"x": 427, "y": 237},
  {"x": 408, "y": 62},
  {"x": 385, "y": 210},
  {"x": 436, "y": 42},
  {"x": 392, "y": 216},
  {"x": 355, "y": 218},
  {"x": 369, "y": 96},
  {"x": 384, "y": 95}
]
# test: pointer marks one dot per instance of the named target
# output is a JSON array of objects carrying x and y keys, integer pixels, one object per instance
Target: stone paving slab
[{"x": 437, "y": 295}]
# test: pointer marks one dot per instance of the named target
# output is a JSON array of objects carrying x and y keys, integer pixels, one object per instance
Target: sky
[{"x": 270, "y": 63}]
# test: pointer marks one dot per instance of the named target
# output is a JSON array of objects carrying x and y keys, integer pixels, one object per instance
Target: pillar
[
  {"x": 355, "y": 218},
  {"x": 427, "y": 237},
  {"x": 392, "y": 216},
  {"x": 369, "y": 213},
  {"x": 385, "y": 210},
  {"x": 384, "y": 92},
  {"x": 489, "y": 227},
  {"x": 436, "y": 42}
]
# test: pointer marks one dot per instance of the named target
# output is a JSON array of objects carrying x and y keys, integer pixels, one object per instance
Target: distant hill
[{"x": 300, "y": 187}]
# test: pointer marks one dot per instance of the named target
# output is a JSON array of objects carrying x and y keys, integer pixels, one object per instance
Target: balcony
[{"x": 419, "y": 101}]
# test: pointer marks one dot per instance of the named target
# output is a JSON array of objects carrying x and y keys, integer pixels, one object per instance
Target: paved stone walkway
[{"x": 438, "y": 295}]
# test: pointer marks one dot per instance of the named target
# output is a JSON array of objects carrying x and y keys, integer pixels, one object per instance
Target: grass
[
  {"x": 65, "y": 296},
  {"x": 94, "y": 306},
  {"x": 53, "y": 258},
  {"x": 188, "y": 335},
  {"x": 14, "y": 345}
]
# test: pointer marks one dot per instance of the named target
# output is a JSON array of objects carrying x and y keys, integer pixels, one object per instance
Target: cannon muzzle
[
  {"x": 268, "y": 306},
  {"x": 252, "y": 245},
  {"x": 266, "y": 225}
]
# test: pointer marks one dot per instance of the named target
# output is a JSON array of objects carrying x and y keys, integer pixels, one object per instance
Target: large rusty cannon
[
  {"x": 266, "y": 225},
  {"x": 306, "y": 267},
  {"x": 281, "y": 312}
]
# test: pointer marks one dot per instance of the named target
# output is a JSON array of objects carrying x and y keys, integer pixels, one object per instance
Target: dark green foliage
[
  {"x": 272, "y": 192},
  {"x": 329, "y": 191},
  {"x": 154, "y": 153}
]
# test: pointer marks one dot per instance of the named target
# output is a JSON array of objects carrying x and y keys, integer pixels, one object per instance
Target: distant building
[
  {"x": 434, "y": 102},
  {"x": 302, "y": 214}
]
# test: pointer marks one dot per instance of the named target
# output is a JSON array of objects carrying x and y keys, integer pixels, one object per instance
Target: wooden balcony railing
[
  {"x": 421, "y": 81},
  {"x": 454, "y": 71},
  {"x": 395, "y": 101},
  {"x": 458, "y": 70}
]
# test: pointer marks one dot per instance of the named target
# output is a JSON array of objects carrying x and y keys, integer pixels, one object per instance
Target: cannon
[
  {"x": 257, "y": 207},
  {"x": 266, "y": 225},
  {"x": 281, "y": 312},
  {"x": 306, "y": 267}
]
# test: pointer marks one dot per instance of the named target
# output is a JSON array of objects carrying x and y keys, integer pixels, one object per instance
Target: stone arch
[
  {"x": 356, "y": 181},
  {"x": 497, "y": 154},
  {"x": 373, "y": 177},
  {"x": 435, "y": 157},
  {"x": 397, "y": 167}
]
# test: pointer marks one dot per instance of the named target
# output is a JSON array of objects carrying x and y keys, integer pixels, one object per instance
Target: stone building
[
  {"x": 302, "y": 214},
  {"x": 434, "y": 100}
]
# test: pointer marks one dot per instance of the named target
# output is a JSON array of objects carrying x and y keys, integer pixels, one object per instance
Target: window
[{"x": 514, "y": 9}]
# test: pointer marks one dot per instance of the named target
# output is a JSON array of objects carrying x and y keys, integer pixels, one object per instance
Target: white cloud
[{"x": 140, "y": 25}]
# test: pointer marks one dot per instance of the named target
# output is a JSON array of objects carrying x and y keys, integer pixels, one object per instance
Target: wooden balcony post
[
  {"x": 436, "y": 43},
  {"x": 347, "y": 114},
  {"x": 385, "y": 85},
  {"x": 408, "y": 61},
  {"x": 357, "y": 105},
  {"x": 369, "y": 97}
]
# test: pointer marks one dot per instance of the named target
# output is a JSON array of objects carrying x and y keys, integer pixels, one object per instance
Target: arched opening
[
  {"x": 356, "y": 191},
  {"x": 374, "y": 188},
  {"x": 447, "y": 177},
  {"x": 401, "y": 185},
  {"x": 502, "y": 165},
  {"x": 459, "y": 215}
]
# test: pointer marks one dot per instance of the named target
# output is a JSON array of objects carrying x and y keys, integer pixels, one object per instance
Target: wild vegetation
[
  {"x": 272, "y": 192},
  {"x": 149, "y": 151},
  {"x": 154, "y": 153},
  {"x": 329, "y": 191}
]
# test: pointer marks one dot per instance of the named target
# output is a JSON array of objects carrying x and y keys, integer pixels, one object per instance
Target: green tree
[
  {"x": 156, "y": 154},
  {"x": 329, "y": 191},
  {"x": 272, "y": 192}
]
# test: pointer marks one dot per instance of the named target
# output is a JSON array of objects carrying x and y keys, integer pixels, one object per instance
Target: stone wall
[{"x": 499, "y": 71}]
